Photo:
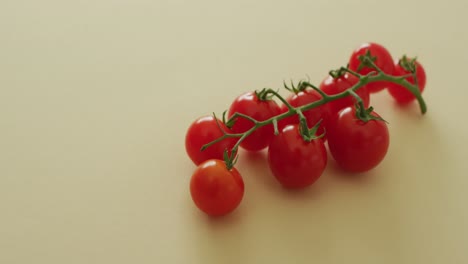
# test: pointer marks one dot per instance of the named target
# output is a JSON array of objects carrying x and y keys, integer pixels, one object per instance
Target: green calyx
[
  {"x": 230, "y": 160},
  {"x": 264, "y": 94},
  {"x": 367, "y": 60},
  {"x": 299, "y": 87},
  {"x": 337, "y": 73},
  {"x": 408, "y": 65},
  {"x": 308, "y": 134},
  {"x": 366, "y": 114},
  {"x": 361, "y": 112}
]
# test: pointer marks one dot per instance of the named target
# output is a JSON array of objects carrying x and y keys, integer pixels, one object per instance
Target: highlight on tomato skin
[
  {"x": 382, "y": 58},
  {"x": 215, "y": 190},
  {"x": 294, "y": 162},
  {"x": 400, "y": 93},
  {"x": 203, "y": 131},
  {"x": 355, "y": 145}
]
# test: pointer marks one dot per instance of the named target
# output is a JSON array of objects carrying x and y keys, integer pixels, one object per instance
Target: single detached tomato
[
  {"x": 203, "y": 131},
  {"x": 332, "y": 86},
  {"x": 357, "y": 146},
  {"x": 215, "y": 189},
  {"x": 249, "y": 104},
  {"x": 295, "y": 162},
  {"x": 400, "y": 93},
  {"x": 313, "y": 115},
  {"x": 382, "y": 59}
]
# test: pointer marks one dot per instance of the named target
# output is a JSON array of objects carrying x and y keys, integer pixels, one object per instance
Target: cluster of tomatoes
[{"x": 296, "y": 161}]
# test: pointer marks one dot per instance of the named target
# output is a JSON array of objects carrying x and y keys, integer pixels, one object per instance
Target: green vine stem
[{"x": 363, "y": 80}]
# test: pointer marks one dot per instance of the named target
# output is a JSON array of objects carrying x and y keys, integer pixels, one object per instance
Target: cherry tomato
[
  {"x": 357, "y": 146},
  {"x": 294, "y": 162},
  {"x": 333, "y": 86},
  {"x": 215, "y": 189},
  {"x": 313, "y": 115},
  {"x": 400, "y": 93},
  {"x": 249, "y": 104},
  {"x": 383, "y": 60},
  {"x": 203, "y": 131}
]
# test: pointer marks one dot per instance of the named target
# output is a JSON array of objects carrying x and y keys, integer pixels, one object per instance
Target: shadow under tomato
[
  {"x": 254, "y": 167},
  {"x": 259, "y": 176},
  {"x": 224, "y": 221},
  {"x": 411, "y": 110},
  {"x": 255, "y": 156},
  {"x": 358, "y": 178},
  {"x": 308, "y": 193},
  {"x": 214, "y": 238}
]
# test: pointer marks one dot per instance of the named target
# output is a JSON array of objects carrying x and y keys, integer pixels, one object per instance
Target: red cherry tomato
[
  {"x": 357, "y": 146},
  {"x": 249, "y": 104},
  {"x": 338, "y": 85},
  {"x": 215, "y": 189},
  {"x": 203, "y": 131},
  {"x": 294, "y": 162},
  {"x": 313, "y": 115},
  {"x": 383, "y": 60},
  {"x": 400, "y": 93}
]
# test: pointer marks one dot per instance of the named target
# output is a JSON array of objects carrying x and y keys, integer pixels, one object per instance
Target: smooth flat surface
[{"x": 96, "y": 96}]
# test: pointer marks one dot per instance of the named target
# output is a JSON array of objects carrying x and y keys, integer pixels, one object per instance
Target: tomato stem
[
  {"x": 363, "y": 80},
  {"x": 346, "y": 69},
  {"x": 275, "y": 126},
  {"x": 310, "y": 134},
  {"x": 337, "y": 73},
  {"x": 361, "y": 109},
  {"x": 230, "y": 160},
  {"x": 284, "y": 101}
]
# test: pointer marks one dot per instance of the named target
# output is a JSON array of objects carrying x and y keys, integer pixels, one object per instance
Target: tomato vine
[{"x": 362, "y": 113}]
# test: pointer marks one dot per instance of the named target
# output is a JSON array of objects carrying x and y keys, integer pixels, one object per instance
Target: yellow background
[{"x": 96, "y": 96}]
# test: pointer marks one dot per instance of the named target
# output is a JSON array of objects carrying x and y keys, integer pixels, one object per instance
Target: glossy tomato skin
[
  {"x": 249, "y": 104},
  {"x": 383, "y": 60},
  {"x": 357, "y": 146},
  {"x": 400, "y": 93},
  {"x": 332, "y": 86},
  {"x": 313, "y": 115},
  {"x": 216, "y": 190},
  {"x": 294, "y": 162},
  {"x": 203, "y": 131}
]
